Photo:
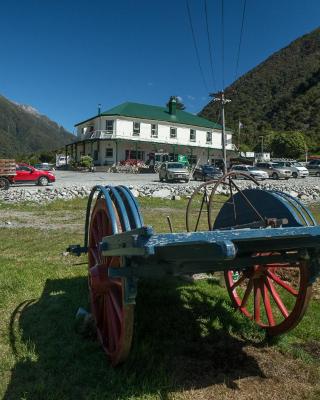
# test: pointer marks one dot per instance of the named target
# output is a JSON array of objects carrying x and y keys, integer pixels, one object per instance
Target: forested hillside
[
  {"x": 282, "y": 94},
  {"x": 23, "y": 130}
]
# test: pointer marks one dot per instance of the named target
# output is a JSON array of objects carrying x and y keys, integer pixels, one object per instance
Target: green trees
[
  {"x": 285, "y": 144},
  {"x": 280, "y": 94},
  {"x": 86, "y": 162}
]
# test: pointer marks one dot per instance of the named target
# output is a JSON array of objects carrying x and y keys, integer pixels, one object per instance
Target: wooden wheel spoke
[
  {"x": 200, "y": 211},
  {"x": 257, "y": 300},
  {"x": 115, "y": 304},
  {"x": 95, "y": 235},
  {"x": 276, "y": 298},
  {"x": 267, "y": 304},
  {"x": 247, "y": 293},
  {"x": 99, "y": 307},
  {"x": 107, "y": 334},
  {"x": 283, "y": 284},
  {"x": 95, "y": 254},
  {"x": 238, "y": 282},
  {"x": 113, "y": 329}
]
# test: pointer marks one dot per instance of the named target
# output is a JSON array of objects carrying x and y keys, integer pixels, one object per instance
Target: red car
[{"x": 27, "y": 174}]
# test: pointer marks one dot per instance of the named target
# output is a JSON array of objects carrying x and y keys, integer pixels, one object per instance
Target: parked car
[
  {"x": 250, "y": 170},
  {"x": 274, "y": 171},
  {"x": 297, "y": 169},
  {"x": 314, "y": 167},
  {"x": 206, "y": 173},
  {"x": 27, "y": 174},
  {"x": 173, "y": 171}
]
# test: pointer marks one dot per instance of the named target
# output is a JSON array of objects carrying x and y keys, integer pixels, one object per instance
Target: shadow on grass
[{"x": 182, "y": 341}]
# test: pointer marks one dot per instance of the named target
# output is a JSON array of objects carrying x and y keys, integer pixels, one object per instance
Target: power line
[
  {"x": 209, "y": 44},
  {"x": 196, "y": 48},
  {"x": 240, "y": 40},
  {"x": 222, "y": 38}
]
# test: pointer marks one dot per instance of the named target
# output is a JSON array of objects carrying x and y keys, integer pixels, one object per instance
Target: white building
[{"x": 135, "y": 131}]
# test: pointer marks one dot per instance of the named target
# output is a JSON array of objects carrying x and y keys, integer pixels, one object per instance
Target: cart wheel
[
  {"x": 113, "y": 318},
  {"x": 208, "y": 198},
  {"x": 4, "y": 183},
  {"x": 274, "y": 296}
]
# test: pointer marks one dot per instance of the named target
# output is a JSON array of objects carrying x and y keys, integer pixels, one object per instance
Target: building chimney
[
  {"x": 173, "y": 105},
  {"x": 99, "y": 109}
]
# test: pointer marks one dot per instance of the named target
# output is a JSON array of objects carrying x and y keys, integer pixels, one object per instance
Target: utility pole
[
  {"x": 99, "y": 113},
  {"x": 261, "y": 137},
  {"x": 306, "y": 151},
  {"x": 220, "y": 97}
]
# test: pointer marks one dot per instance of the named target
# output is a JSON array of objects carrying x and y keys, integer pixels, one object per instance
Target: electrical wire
[
  {"x": 240, "y": 40},
  {"x": 209, "y": 45},
  {"x": 196, "y": 48}
]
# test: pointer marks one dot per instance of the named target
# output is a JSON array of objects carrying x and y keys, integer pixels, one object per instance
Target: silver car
[
  {"x": 252, "y": 171},
  {"x": 173, "y": 171},
  {"x": 275, "y": 171},
  {"x": 297, "y": 169}
]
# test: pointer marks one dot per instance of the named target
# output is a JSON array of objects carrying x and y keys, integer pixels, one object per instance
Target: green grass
[{"x": 187, "y": 335}]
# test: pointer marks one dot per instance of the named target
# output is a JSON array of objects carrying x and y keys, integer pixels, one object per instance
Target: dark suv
[
  {"x": 206, "y": 173},
  {"x": 314, "y": 167}
]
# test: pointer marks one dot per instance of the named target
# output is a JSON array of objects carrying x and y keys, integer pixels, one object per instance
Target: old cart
[
  {"x": 7, "y": 173},
  {"x": 266, "y": 243}
]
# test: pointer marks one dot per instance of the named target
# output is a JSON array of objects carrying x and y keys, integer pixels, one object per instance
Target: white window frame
[
  {"x": 154, "y": 131},
  {"x": 136, "y": 130},
  {"x": 173, "y": 136},
  {"x": 209, "y": 141},
  {"x": 108, "y": 121},
  {"x": 193, "y": 135}
]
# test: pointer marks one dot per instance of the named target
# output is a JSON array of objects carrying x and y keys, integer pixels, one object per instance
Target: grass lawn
[{"x": 188, "y": 341}]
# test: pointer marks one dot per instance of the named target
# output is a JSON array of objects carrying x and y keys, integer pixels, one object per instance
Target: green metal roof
[{"x": 144, "y": 111}]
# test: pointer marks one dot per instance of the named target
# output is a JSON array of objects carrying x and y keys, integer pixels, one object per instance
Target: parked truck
[{"x": 7, "y": 173}]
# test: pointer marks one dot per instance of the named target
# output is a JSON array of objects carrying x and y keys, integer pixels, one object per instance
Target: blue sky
[{"x": 64, "y": 57}]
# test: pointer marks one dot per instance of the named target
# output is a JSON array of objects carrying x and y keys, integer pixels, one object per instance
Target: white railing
[
  {"x": 104, "y": 134},
  {"x": 99, "y": 134}
]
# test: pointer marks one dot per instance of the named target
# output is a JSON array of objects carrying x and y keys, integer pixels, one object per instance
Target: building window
[
  {"x": 209, "y": 137},
  {"x": 154, "y": 130},
  {"x": 192, "y": 159},
  {"x": 134, "y": 155},
  {"x": 136, "y": 128},
  {"x": 109, "y": 152},
  {"x": 109, "y": 125},
  {"x": 173, "y": 133},
  {"x": 95, "y": 155},
  {"x": 192, "y": 135}
]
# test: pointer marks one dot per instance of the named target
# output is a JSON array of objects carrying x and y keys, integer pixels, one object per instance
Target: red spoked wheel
[
  {"x": 274, "y": 296},
  {"x": 113, "y": 318}
]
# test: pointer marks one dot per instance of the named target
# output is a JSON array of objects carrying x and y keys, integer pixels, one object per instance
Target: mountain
[
  {"x": 24, "y": 130},
  {"x": 282, "y": 93}
]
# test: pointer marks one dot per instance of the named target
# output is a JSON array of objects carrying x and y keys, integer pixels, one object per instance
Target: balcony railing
[
  {"x": 99, "y": 134},
  {"x": 105, "y": 134}
]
